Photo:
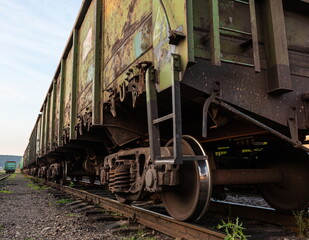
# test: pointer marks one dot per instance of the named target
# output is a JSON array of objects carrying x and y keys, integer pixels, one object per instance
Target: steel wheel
[
  {"x": 293, "y": 193},
  {"x": 64, "y": 173},
  {"x": 190, "y": 200},
  {"x": 92, "y": 179}
]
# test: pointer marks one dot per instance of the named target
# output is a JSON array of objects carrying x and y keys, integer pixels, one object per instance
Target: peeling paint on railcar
[
  {"x": 167, "y": 16},
  {"x": 86, "y": 60},
  {"x": 133, "y": 48},
  {"x": 68, "y": 88},
  {"x": 38, "y": 136},
  {"x": 121, "y": 19},
  {"x": 120, "y": 79},
  {"x": 57, "y": 109},
  {"x": 127, "y": 37},
  {"x": 51, "y": 121}
]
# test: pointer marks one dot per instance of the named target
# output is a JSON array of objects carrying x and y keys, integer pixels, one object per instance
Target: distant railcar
[
  {"x": 184, "y": 98},
  {"x": 10, "y": 166}
]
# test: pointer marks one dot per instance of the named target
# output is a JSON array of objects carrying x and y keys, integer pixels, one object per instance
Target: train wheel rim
[
  {"x": 191, "y": 199},
  {"x": 64, "y": 175}
]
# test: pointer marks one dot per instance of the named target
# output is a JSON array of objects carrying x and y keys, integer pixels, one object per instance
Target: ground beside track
[{"x": 32, "y": 214}]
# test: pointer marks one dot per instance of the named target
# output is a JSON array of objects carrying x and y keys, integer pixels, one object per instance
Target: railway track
[
  {"x": 261, "y": 214},
  {"x": 4, "y": 176},
  {"x": 156, "y": 221},
  {"x": 169, "y": 226}
]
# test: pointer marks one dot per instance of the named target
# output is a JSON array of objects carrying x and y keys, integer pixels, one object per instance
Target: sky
[{"x": 33, "y": 34}]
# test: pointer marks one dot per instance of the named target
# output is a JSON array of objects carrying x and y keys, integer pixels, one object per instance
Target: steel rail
[
  {"x": 258, "y": 213},
  {"x": 4, "y": 176},
  {"x": 158, "y": 222}
]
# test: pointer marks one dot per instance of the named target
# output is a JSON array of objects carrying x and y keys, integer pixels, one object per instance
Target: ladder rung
[
  {"x": 171, "y": 160},
  {"x": 236, "y": 62},
  {"x": 164, "y": 118},
  {"x": 235, "y": 31},
  {"x": 194, "y": 158},
  {"x": 165, "y": 161},
  {"x": 243, "y": 2}
]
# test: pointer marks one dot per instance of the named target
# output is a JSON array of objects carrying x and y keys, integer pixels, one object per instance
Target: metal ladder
[
  {"x": 215, "y": 35},
  {"x": 154, "y": 120}
]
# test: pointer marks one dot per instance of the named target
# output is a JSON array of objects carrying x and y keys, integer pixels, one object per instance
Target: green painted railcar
[
  {"x": 10, "y": 166},
  {"x": 183, "y": 98}
]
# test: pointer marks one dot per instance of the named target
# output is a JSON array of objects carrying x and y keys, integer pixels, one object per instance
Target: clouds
[{"x": 33, "y": 35}]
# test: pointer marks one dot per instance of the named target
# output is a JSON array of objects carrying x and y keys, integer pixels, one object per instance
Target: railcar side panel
[
  {"x": 43, "y": 129},
  {"x": 38, "y": 136},
  {"x": 68, "y": 89},
  {"x": 32, "y": 142},
  {"x": 57, "y": 109},
  {"x": 170, "y": 18},
  {"x": 86, "y": 61},
  {"x": 50, "y": 120},
  {"x": 126, "y": 37},
  {"x": 298, "y": 44},
  {"x": 270, "y": 93}
]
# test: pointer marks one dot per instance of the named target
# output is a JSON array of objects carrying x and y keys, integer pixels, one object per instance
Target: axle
[{"x": 246, "y": 176}]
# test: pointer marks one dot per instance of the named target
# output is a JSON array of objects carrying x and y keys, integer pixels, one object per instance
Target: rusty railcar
[{"x": 182, "y": 98}]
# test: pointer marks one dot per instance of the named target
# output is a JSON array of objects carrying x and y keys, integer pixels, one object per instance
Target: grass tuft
[
  {"x": 5, "y": 191},
  {"x": 12, "y": 177},
  {"x": 71, "y": 184},
  {"x": 63, "y": 201},
  {"x": 232, "y": 230},
  {"x": 36, "y": 187},
  {"x": 302, "y": 223},
  {"x": 140, "y": 235},
  {"x": 115, "y": 214},
  {"x": 72, "y": 215}
]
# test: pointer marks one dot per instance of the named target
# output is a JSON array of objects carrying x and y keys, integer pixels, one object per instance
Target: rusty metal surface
[
  {"x": 153, "y": 220},
  {"x": 247, "y": 90},
  {"x": 168, "y": 17},
  {"x": 127, "y": 39},
  {"x": 56, "y": 126},
  {"x": 68, "y": 88},
  {"x": 86, "y": 60},
  {"x": 130, "y": 15},
  {"x": 246, "y": 176},
  {"x": 232, "y": 21}
]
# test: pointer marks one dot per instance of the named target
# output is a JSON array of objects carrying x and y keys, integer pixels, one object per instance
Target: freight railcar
[
  {"x": 10, "y": 166},
  {"x": 183, "y": 98}
]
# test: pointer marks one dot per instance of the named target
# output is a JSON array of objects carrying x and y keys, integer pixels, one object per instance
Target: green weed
[
  {"x": 5, "y": 191},
  {"x": 139, "y": 236},
  {"x": 12, "y": 177},
  {"x": 232, "y": 230},
  {"x": 36, "y": 187},
  {"x": 71, "y": 184},
  {"x": 63, "y": 201},
  {"x": 115, "y": 214},
  {"x": 302, "y": 223},
  {"x": 124, "y": 226},
  {"x": 71, "y": 215}
]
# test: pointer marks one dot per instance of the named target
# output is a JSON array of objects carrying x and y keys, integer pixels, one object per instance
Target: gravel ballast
[{"x": 29, "y": 213}]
